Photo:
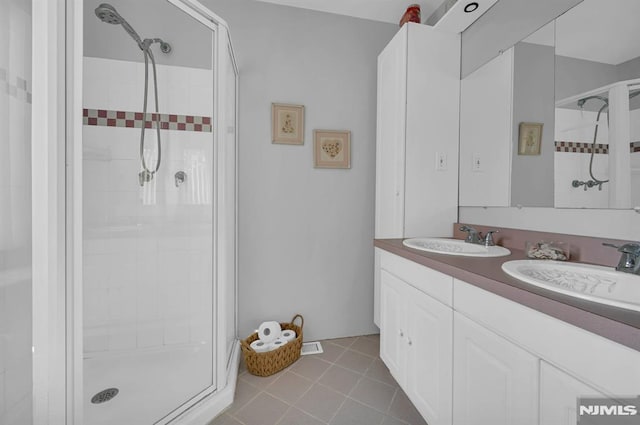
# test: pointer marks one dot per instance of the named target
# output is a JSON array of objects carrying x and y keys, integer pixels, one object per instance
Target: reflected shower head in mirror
[{"x": 582, "y": 101}]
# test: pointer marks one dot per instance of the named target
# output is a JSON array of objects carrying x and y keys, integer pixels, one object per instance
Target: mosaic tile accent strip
[
  {"x": 580, "y": 147},
  {"x": 128, "y": 119},
  {"x": 635, "y": 147},
  {"x": 15, "y": 86}
]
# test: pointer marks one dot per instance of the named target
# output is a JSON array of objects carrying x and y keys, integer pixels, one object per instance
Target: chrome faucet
[
  {"x": 475, "y": 237},
  {"x": 630, "y": 258}
]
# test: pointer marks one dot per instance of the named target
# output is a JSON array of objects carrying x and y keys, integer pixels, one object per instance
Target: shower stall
[{"x": 158, "y": 223}]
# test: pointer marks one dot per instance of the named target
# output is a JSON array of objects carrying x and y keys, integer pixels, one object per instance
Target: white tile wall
[
  {"x": 578, "y": 126},
  {"x": 571, "y": 166},
  {"x": 147, "y": 251}
]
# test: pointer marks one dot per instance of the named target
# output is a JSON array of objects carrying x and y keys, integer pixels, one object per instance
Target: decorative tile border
[
  {"x": 128, "y": 119},
  {"x": 580, "y": 147},
  {"x": 19, "y": 90}
]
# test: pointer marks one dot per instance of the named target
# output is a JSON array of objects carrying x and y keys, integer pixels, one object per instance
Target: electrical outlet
[
  {"x": 441, "y": 161},
  {"x": 477, "y": 163}
]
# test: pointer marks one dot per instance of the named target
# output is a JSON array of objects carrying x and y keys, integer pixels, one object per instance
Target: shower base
[{"x": 151, "y": 383}]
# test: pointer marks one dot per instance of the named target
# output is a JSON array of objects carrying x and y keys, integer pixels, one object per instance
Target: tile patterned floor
[{"x": 348, "y": 384}]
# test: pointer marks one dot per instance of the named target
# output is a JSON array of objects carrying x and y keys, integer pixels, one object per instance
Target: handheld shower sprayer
[{"x": 107, "y": 13}]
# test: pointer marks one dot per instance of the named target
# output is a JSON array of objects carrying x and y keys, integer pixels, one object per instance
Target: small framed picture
[
  {"x": 287, "y": 124},
  {"x": 530, "y": 138},
  {"x": 332, "y": 149}
]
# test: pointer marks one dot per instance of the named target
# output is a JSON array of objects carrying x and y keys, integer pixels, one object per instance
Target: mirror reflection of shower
[
  {"x": 594, "y": 180},
  {"x": 107, "y": 13}
]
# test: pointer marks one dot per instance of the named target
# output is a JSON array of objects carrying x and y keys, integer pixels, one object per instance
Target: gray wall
[
  {"x": 575, "y": 76},
  {"x": 533, "y": 100},
  {"x": 503, "y": 25},
  {"x": 305, "y": 234},
  {"x": 629, "y": 70}
]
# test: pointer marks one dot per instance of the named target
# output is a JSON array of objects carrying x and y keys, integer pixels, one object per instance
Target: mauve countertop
[{"x": 617, "y": 324}]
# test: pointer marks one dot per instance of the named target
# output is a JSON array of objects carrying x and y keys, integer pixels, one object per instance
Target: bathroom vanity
[{"x": 470, "y": 344}]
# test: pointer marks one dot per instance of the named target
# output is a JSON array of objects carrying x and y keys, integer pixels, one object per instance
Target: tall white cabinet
[{"x": 417, "y": 134}]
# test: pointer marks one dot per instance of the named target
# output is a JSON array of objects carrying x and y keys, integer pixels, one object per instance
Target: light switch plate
[
  {"x": 441, "y": 161},
  {"x": 476, "y": 164}
]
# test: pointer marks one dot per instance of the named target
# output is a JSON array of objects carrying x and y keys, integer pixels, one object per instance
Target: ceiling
[
  {"x": 377, "y": 10},
  {"x": 604, "y": 31}
]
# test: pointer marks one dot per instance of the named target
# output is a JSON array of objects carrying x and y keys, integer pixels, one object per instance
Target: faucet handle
[
  {"x": 488, "y": 238},
  {"x": 627, "y": 248}
]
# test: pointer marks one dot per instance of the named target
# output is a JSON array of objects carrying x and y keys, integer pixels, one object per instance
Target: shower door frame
[{"x": 55, "y": 101}]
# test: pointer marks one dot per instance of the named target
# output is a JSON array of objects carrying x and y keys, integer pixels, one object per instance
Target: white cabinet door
[
  {"x": 392, "y": 325},
  {"x": 430, "y": 352},
  {"x": 416, "y": 345},
  {"x": 559, "y": 393},
  {"x": 495, "y": 381},
  {"x": 390, "y": 138}
]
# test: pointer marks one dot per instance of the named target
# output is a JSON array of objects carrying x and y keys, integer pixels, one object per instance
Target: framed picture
[
  {"x": 332, "y": 148},
  {"x": 530, "y": 138},
  {"x": 287, "y": 124}
]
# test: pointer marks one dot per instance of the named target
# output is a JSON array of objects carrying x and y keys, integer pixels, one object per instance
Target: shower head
[{"x": 107, "y": 13}]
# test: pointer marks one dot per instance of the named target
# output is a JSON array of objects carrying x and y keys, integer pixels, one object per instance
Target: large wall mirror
[{"x": 555, "y": 120}]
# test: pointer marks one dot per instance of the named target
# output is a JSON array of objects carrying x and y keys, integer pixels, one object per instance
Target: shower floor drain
[{"x": 104, "y": 395}]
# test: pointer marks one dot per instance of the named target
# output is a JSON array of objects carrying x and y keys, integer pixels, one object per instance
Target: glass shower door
[
  {"x": 148, "y": 268},
  {"x": 15, "y": 213}
]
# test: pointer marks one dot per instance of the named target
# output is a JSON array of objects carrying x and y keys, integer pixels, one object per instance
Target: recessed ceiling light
[{"x": 471, "y": 7}]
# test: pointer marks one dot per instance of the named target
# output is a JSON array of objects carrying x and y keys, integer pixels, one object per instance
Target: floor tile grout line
[
  {"x": 348, "y": 397},
  {"x": 313, "y": 382},
  {"x": 344, "y": 400},
  {"x": 395, "y": 390}
]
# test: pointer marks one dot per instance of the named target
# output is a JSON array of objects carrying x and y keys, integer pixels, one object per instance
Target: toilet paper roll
[
  {"x": 260, "y": 346},
  {"x": 288, "y": 335},
  {"x": 269, "y": 331},
  {"x": 278, "y": 343}
]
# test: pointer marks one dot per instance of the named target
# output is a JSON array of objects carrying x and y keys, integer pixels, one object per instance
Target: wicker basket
[{"x": 270, "y": 362}]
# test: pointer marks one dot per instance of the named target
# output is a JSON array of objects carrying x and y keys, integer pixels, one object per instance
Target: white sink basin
[
  {"x": 455, "y": 247},
  {"x": 600, "y": 284}
]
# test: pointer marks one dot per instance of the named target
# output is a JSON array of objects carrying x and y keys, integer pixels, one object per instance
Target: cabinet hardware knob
[
  {"x": 401, "y": 333},
  {"x": 409, "y": 342}
]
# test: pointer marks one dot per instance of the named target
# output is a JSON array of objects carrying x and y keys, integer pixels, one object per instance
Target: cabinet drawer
[{"x": 431, "y": 282}]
